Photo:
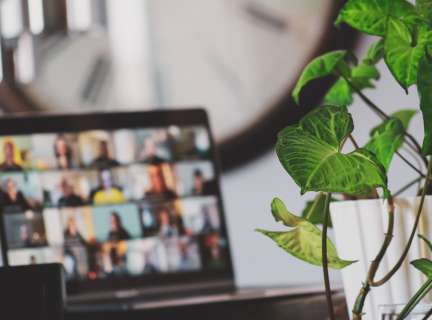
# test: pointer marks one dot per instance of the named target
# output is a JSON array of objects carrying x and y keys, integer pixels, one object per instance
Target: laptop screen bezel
[{"x": 35, "y": 123}]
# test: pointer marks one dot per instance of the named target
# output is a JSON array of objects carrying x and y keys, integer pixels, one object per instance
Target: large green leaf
[
  {"x": 402, "y": 54},
  {"x": 375, "y": 53},
  {"x": 305, "y": 241},
  {"x": 310, "y": 153},
  {"x": 369, "y": 16},
  {"x": 317, "y": 215},
  {"x": 341, "y": 94},
  {"x": 385, "y": 144},
  {"x": 424, "y": 9},
  {"x": 424, "y": 265},
  {"x": 424, "y": 86},
  {"x": 322, "y": 66}
]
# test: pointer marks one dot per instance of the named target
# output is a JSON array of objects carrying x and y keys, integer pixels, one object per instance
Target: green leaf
[
  {"x": 403, "y": 115},
  {"x": 305, "y": 241},
  {"x": 424, "y": 9},
  {"x": 375, "y": 53},
  {"x": 424, "y": 265},
  {"x": 369, "y": 16},
  {"x": 310, "y": 153},
  {"x": 322, "y": 66},
  {"x": 341, "y": 92},
  {"x": 424, "y": 87},
  {"x": 385, "y": 144},
  {"x": 365, "y": 71},
  {"x": 317, "y": 215},
  {"x": 402, "y": 54},
  {"x": 426, "y": 240}
]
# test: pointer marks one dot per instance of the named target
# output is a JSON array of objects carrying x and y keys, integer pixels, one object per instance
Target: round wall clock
[{"x": 239, "y": 59}]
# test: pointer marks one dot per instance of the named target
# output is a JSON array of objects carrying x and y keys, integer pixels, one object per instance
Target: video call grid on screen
[{"x": 113, "y": 204}]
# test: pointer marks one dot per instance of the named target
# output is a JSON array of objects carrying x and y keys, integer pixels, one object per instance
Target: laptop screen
[{"x": 119, "y": 206}]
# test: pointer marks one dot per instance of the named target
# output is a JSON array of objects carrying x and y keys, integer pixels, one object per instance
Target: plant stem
[
  {"x": 353, "y": 141},
  {"x": 413, "y": 300},
  {"x": 427, "y": 315},
  {"x": 374, "y": 267},
  {"x": 410, "y": 164},
  {"x": 358, "y": 306},
  {"x": 383, "y": 116},
  {"x": 324, "y": 259},
  {"x": 314, "y": 205},
  {"x": 407, "y": 186},
  {"x": 417, "y": 301}
]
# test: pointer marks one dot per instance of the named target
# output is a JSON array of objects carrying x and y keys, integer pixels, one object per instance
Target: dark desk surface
[{"x": 274, "y": 308}]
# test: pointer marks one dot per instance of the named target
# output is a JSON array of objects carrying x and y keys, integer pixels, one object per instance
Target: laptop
[{"x": 128, "y": 202}]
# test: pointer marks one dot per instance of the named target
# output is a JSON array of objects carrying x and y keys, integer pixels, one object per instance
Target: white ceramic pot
[{"x": 359, "y": 228}]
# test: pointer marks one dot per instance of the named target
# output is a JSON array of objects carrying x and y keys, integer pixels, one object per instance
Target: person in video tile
[
  {"x": 14, "y": 198},
  {"x": 149, "y": 153},
  {"x": 103, "y": 160},
  {"x": 201, "y": 186},
  {"x": 63, "y": 153},
  {"x": 158, "y": 187},
  {"x": 9, "y": 162},
  {"x": 118, "y": 232},
  {"x": 25, "y": 236},
  {"x": 149, "y": 267},
  {"x": 70, "y": 264},
  {"x": 166, "y": 227},
  {"x": 33, "y": 260},
  {"x": 71, "y": 234},
  {"x": 68, "y": 199},
  {"x": 107, "y": 193}
]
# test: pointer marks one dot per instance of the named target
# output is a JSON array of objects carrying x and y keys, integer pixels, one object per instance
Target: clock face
[{"x": 235, "y": 58}]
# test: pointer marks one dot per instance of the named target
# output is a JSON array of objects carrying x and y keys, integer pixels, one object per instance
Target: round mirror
[{"x": 238, "y": 59}]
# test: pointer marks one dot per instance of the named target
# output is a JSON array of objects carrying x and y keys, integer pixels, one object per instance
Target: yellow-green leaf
[{"x": 305, "y": 241}]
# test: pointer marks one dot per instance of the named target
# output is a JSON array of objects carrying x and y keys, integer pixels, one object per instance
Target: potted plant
[{"x": 311, "y": 152}]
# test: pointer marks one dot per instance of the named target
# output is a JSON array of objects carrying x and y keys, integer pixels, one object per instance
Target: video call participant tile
[
  {"x": 25, "y": 230},
  {"x": 213, "y": 251},
  {"x": 56, "y": 151},
  {"x": 15, "y": 153},
  {"x": 116, "y": 222},
  {"x": 20, "y": 257},
  {"x": 201, "y": 214},
  {"x": 163, "y": 219},
  {"x": 154, "y": 146},
  {"x": 20, "y": 191},
  {"x": 147, "y": 256},
  {"x": 155, "y": 183},
  {"x": 97, "y": 149},
  {"x": 191, "y": 143},
  {"x": 196, "y": 178},
  {"x": 183, "y": 254}
]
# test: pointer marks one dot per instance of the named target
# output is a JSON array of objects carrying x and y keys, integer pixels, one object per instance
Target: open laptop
[{"x": 128, "y": 202}]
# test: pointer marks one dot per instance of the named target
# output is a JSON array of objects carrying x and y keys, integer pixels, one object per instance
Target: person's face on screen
[
  {"x": 32, "y": 260},
  {"x": 72, "y": 227},
  {"x": 157, "y": 179},
  {"x": 9, "y": 152},
  {"x": 115, "y": 223},
  {"x": 103, "y": 150},
  {"x": 106, "y": 179},
  {"x": 215, "y": 253},
  {"x": 198, "y": 183},
  {"x": 24, "y": 233},
  {"x": 65, "y": 188},
  {"x": 163, "y": 217},
  {"x": 149, "y": 147},
  {"x": 11, "y": 189},
  {"x": 61, "y": 147}
]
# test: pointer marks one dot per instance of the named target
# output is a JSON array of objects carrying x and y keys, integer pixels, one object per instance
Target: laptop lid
[{"x": 123, "y": 200}]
